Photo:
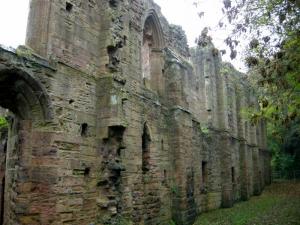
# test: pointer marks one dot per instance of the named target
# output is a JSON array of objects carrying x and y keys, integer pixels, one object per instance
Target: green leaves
[
  {"x": 3, "y": 122},
  {"x": 284, "y": 142},
  {"x": 273, "y": 57}
]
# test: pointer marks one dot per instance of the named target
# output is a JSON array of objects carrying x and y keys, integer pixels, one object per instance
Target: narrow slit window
[
  {"x": 164, "y": 181},
  {"x": 146, "y": 140},
  {"x": 204, "y": 176},
  {"x": 84, "y": 130},
  {"x": 69, "y": 7},
  {"x": 233, "y": 175}
]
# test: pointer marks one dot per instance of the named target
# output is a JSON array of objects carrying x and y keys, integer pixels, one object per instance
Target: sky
[
  {"x": 185, "y": 13},
  {"x": 180, "y": 12},
  {"x": 13, "y": 22}
]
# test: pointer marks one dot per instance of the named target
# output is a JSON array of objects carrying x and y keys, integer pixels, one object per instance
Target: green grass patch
[{"x": 278, "y": 205}]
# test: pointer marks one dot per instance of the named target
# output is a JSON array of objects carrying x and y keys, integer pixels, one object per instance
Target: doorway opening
[{"x": 23, "y": 105}]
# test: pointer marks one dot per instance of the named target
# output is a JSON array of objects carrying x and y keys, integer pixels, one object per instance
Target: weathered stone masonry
[{"x": 113, "y": 119}]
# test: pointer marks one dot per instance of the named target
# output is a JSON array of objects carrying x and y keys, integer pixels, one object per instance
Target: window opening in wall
[
  {"x": 146, "y": 52},
  {"x": 233, "y": 175},
  {"x": 84, "y": 130},
  {"x": 164, "y": 181},
  {"x": 208, "y": 96},
  {"x": 119, "y": 151},
  {"x": 25, "y": 104},
  {"x": 113, "y": 3},
  {"x": 69, "y": 7},
  {"x": 204, "y": 176},
  {"x": 151, "y": 54},
  {"x": 114, "y": 60},
  {"x": 87, "y": 171},
  {"x": 146, "y": 140}
]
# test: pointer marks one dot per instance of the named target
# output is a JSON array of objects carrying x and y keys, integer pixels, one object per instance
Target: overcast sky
[
  {"x": 14, "y": 13},
  {"x": 185, "y": 13},
  {"x": 13, "y": 22}
]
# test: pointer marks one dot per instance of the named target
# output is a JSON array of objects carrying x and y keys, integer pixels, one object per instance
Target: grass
[{"x": 278, "y": 205}]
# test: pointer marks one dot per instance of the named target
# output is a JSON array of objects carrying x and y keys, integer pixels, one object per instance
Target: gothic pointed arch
[
  {"x": 23, "y": 95},
  {"x": 29, "y": 110},
  {"x": 151, "y": 53},
  {"x": 152, "y": 29}
]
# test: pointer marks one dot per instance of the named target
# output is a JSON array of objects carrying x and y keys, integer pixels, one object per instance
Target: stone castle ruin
[{"x": 114, "y": 120}]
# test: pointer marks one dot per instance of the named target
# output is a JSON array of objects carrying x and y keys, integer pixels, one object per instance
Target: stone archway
[
  {"x": 152, "y": 53},
  {"x": 29, "y": 107},
  {"x": 23, "y": 95}
]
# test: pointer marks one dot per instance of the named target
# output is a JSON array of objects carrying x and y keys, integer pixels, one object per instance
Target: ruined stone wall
[
  {"x": 96, "y": 141},
  {"x": 3, "y": 147},
  {"x": 52, "y": 158}
]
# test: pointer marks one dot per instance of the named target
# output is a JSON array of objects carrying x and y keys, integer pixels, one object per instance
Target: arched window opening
[
  {"x": 26, "y": 106},
  {"x": 151, "y": 54},
  {"x": 24, "y": 96},
  {"x": 146, "y": 141},
  {"x": 146, "y": 52}
]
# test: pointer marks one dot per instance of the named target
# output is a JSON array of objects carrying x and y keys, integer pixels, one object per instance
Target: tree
[
  {"x": 273, "y": 57},
  {"x": 273, "y": 30}
]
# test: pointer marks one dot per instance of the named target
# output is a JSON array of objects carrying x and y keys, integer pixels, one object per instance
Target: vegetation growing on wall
[{"x": 3, "y": 122}]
